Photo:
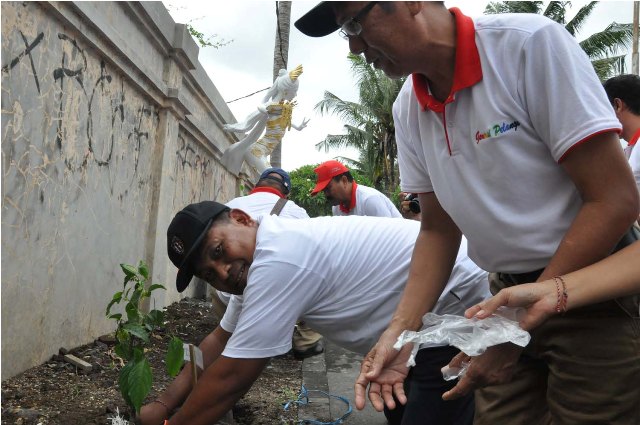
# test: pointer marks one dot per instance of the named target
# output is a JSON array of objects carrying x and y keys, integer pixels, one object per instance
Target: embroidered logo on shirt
[{"x": 496, "y": 130}]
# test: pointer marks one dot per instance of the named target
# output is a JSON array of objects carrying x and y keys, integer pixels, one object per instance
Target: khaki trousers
[
  {"x": 304, "y": 337},
  {"x": 580, "y": 368}
]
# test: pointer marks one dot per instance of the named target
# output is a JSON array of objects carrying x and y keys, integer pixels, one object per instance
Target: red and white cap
[{"x": 325, "y": 172}]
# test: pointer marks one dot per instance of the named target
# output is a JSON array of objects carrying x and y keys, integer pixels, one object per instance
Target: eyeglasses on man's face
[{"x": 352, "y": 26}]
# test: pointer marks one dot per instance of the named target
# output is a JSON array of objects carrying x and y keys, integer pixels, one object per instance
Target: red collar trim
[
  {"x": 268, "y": 190},
  {"x": 634, "y": 138},
  {"x": 346, "y": 210},
  {"x": 467, "y": 69}
]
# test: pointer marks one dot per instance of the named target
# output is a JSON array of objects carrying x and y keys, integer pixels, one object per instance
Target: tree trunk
[
  {"x": 392, "y": 162},
  {"x": 634, "y": 51},
  {"x": 280, "y": 59}
]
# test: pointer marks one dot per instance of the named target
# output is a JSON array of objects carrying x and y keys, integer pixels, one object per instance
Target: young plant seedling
[{"x": 132, "y": 335}]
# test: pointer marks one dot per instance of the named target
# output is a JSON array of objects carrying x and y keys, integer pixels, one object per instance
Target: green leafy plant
[
  {"x": 303, "y": 181},
  {"x": 206, "y": 41},
  {"x": 201, "y": 38},
  {"x": 132, "y": 335}
]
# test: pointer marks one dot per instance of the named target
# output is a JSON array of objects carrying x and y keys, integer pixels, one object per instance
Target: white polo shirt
[
  {"x": 343, "y": 276},
  {"x": 632, "y": 153},
  {"x": 257, "y": 204},
  {"x": 524, "y": 94},
  {"x": 260, "y": 203},
  {"x": 634, "y": 161},
  {"x": 371, "y": 202}
]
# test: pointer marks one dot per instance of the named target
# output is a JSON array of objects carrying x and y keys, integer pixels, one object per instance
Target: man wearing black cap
[
  {"x": 275, "y": 184},
  {"x": 342, "y": 275},
  {"x": 505, "y": 132}
]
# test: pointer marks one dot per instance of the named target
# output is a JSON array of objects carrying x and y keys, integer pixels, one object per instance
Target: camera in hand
[{"x": 414, "y": 203}]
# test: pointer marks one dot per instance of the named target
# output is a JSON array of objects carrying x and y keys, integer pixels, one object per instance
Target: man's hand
[
  {"x": 494, "y": 366},
  {"x": 153, "y": 414},
  {"x": 383, "y": 370}
]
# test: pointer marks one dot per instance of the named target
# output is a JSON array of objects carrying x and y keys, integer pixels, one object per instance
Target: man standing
[
  {"x": 624, "y": 94},
  {"x": 343, "y": 275},
  {"x": 505, "y": 132},
  {"x": 348, "y": 197}
]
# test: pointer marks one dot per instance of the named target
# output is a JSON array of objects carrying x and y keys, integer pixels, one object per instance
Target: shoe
[{"x": 314, "y": 350}]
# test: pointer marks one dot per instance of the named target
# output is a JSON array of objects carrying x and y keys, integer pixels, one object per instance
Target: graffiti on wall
[
  {"x": 85, "y": 147},
  {"x": 193, "y": 171},
  {"x": 99, "y": 150},
  {"x": 27, "y": 52},
  {"x": 86, "y": 129}
]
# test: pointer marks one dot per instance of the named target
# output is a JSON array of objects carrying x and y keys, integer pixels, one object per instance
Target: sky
[{"x": 245, "y": 65}]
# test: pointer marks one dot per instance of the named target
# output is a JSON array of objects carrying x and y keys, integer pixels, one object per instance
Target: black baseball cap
[
  {"x": 319, "y": 21},
  {"x": 185, "y": 234}
]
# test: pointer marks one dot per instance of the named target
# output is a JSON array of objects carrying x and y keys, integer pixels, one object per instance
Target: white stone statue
[{"x": 274, "y": 115}]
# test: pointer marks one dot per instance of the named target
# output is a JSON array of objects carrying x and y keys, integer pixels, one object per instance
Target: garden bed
[{"x": 57, "y": 392}]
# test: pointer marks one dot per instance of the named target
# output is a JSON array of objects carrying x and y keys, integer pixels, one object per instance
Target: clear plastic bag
[
  {"x": 472, "y": 336},
  {"x": 451, "y": 373}
]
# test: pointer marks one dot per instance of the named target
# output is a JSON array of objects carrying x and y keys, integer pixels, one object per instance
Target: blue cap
[{"x": 286, "y": 180}]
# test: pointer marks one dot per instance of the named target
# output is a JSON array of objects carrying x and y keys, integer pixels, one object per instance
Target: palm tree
[
  {"x": 603, "y": 48},
  {"x": 369, "y": 124}
]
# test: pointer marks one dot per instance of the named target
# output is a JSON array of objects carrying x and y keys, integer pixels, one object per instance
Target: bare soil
[{"x": 58, "y": 393}]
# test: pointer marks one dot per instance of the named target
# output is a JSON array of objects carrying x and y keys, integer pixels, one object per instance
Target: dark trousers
[{"x": 424, "y": 388}]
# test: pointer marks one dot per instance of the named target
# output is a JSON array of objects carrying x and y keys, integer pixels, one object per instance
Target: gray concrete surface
[{"x": 334, "y": 372}]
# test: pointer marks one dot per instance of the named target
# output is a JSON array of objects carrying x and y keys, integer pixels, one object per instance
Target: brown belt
[{"x": 517, "y": 278}]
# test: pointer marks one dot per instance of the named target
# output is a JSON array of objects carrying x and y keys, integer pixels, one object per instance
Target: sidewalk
[{"x": 334, "y": 372}]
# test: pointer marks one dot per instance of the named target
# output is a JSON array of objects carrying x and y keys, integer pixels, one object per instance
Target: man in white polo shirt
[
  {"x": 342, "y": 275},
  {"x": 346, "y": 196},
  {"x": 274, "y": 185},
  {"x": 506, "y": 133}
]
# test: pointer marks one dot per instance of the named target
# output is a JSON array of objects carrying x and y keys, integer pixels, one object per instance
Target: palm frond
[
  {"x": 609, "y": 67},
  {"x": 613, "y": 39},
  {"x": 350, "y": 162},
  {"x": 368, "y": 123},
  {"x": 494, "y": 8},
  {"x": 556, "y": 11},
  {"x": 347, "y": 111},
  {"x": 333, "y": 141},
  {"x": 574, "y": 25}
]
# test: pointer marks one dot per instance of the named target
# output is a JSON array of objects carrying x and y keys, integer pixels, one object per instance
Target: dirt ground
[{"x": 58, "y": 393}]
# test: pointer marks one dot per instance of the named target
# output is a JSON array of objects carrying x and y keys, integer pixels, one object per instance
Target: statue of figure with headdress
[{"x": 274, "y": 115}]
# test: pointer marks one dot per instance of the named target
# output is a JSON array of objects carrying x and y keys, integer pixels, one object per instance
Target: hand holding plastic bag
[{"x": 472, "y": 336}]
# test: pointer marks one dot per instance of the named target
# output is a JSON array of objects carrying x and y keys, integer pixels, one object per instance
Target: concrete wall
[{"x": 109, "y": 126}]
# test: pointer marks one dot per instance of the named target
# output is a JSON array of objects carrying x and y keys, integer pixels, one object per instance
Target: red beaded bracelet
[{"x": 561, "y": 303}]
